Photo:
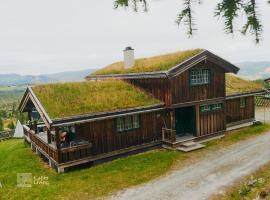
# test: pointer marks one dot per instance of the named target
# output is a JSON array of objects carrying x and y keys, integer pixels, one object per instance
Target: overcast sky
[{"x": 47, "y": 36}]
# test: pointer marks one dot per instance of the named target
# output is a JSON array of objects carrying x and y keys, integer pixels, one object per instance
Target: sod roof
[
  {"x": 236, "y": 85},
  {"x": 80, "y": 98},
  {"x": 151, "y": 64}
]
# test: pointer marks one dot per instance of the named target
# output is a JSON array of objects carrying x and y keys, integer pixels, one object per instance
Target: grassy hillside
[
  {"x": 15, "y": 157},
  {"x": 10, "y": 95},
  {"x": 235, "y": 85}
]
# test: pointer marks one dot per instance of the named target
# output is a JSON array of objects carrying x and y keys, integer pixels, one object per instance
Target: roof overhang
[
  {"x": 29, "y": 95},
  {"x": 174, "y": 71}
]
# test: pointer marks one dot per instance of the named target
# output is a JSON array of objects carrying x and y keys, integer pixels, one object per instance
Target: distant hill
[
  {"x": 254, "y": 70},
  {"x": 16, "y": 79}
]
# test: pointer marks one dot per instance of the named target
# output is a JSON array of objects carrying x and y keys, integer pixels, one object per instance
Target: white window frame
[{"x": 199, "y": 77}]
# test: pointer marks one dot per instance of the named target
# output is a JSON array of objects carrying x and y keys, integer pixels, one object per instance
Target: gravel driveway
[{"x": 207, "y": 176}]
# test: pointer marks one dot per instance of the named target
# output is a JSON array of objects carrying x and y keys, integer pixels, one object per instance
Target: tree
[
  {"x": 11, "y": 125},
  {"x": 229, "y": 10}
]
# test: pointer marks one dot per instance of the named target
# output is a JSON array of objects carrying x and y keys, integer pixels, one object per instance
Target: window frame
[
  {"x": 197, "y": 77},
  {"x": 203, "y": 108},
  {"x": 131, "y": 122},
  {"x": 243, "y": 102},
  {"x": 216, "y": 106}
]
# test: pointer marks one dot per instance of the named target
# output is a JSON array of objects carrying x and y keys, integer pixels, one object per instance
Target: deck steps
[{"x": 189, "y": 146}]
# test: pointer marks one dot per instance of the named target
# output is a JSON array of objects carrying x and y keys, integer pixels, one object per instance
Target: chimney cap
[{"x": 128, "y": 48}]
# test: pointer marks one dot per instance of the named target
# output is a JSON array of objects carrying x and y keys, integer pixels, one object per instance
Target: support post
[
  {"x": 57, "y": 140},
  {"x": 49, "y": 136}
]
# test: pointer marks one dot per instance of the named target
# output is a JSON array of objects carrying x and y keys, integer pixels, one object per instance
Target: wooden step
[
  {"x": 188, "y": 144},
  {"x": 190, "y": 148}
]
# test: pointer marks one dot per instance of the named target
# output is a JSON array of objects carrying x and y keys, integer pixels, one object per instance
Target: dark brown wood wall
[
  {"x": 211, "y": 122},
  {"x": 158, "y": 87},
  {"x": 182, "y": 92},
  {"x": 105, "y": 138},
  {"x": 234, "y": 113}
]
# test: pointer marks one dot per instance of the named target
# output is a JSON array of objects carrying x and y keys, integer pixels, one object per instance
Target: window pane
[
  {"x": 120, "y": 124},
  {"x": 128, "y": 123},
  {"x": 136, "y": 123},
  {"x": 198, "y": 77}
]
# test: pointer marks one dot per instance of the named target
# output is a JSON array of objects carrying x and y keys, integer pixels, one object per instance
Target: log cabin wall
[
  {"x": 211, "y": 122},
  {"x": 234, "y": 112},
  {"x": 158, "y": 87},
  {"x": 105, "y": 138},
  {"x": 183, "y": 92}
]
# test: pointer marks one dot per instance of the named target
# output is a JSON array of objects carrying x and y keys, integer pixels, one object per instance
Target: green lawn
[{"x": 16, "y": 157}]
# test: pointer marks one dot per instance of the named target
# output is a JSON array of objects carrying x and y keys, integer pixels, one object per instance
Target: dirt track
[{"x": 206, "y": 177}]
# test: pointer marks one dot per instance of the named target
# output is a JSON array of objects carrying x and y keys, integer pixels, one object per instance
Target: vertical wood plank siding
[
  {"x": 211, "y": 122},
  {"x": 234, "y": 113},
  {"x": 158, "y": 87},
  {"x": 105, "y": 138},
  {"x": 182, "y": 92}
]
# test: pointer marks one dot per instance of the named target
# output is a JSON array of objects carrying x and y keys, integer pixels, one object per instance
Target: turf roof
[
  {"x": 151, "y": 64},
  {"x": 236, "y": 85},
  {"x": 80, "y": 98}
]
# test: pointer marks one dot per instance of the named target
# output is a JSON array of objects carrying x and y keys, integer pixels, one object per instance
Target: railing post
[
  {"x": 57, "y": 140},
  {"x": 163, "y": 134}
]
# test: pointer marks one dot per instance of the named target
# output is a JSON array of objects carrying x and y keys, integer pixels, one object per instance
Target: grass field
[
  {"x": 99, "y": 181},
  {"x": 10, "y": 95}
]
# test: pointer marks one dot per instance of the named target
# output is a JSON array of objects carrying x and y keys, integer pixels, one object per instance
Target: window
[
  {"x": 120, "y": 124},
  {"x": 211, "y": 107},
  {"x": 242, "y": 102},
  {"x": 205, "y": 108},
  {"x": 217, "y": 106},
  {"x": 127, "y": 123},
  {"x": 136, "y": 121},
  {"x": 199, "y": 77}
]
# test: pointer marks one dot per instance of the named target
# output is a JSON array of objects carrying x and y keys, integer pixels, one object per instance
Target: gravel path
[{"x": 207, "y": 176}]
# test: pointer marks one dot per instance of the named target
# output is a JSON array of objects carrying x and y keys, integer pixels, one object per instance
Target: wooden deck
[{"x": 54, "y": 155}]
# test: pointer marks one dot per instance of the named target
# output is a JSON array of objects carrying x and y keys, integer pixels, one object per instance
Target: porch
[{"x": 55, "y": 153}]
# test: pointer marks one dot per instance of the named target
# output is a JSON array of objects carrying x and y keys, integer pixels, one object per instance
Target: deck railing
[
  {"x": 168, "y": 134},
  {"x": 62, "y": 155}
]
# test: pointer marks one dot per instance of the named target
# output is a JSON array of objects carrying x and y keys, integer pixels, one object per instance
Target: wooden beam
[{"x": 49, "y": 136}]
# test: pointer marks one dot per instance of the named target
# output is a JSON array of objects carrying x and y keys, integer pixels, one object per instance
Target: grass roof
[
  {"x": 79, "y": 98},
  {"x": 235, "y": 85},
  {"x": 151, "y": 64}
]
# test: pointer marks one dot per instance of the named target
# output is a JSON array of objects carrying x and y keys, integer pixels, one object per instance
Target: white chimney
[{"x": 129, "y": 57}]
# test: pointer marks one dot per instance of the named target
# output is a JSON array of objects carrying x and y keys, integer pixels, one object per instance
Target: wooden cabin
[{"x": 164, "y": 100}]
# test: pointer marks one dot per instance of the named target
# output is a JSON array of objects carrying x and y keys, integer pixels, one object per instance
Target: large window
[
  {"x": 127, "y": 123},
  {"x": 242, "y": 102},
  {"x": 199, "y": 77}
]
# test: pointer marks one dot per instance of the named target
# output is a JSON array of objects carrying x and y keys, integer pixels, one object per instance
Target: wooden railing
[
  {"x": 59, "y": 155},
  {"x": 168, "y": 134},
  {"x": 49, "y": 150},
  {"x": 75, "y": 153}
]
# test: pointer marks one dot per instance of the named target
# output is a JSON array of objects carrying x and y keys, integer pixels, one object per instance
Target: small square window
[
  {"x": 199, "y": 77},
  {"x": 205, "y": 108}
]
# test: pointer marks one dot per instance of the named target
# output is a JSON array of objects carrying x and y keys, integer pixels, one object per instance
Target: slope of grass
[
  {"x": 156, "y": 63},
  {"x": 78, "y": 98},
  {"x": 101, "y": 180},
  {"x": 235, "y": 85}
]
